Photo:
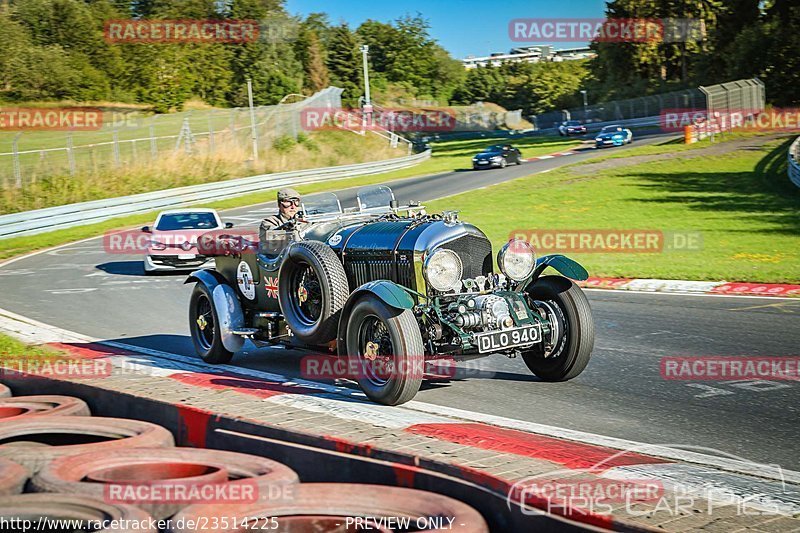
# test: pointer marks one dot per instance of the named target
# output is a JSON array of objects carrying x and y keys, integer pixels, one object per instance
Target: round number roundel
[{"x": 244, "y": 279}]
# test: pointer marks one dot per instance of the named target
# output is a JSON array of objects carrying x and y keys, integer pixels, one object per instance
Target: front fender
[
  {"x": 209, "y": 278},
  {"x": 566, "y": 266},
  {"x": 227, "y": 305},
  {"x": 389, "y": 292},
  {"x": 229, "y": 315}
]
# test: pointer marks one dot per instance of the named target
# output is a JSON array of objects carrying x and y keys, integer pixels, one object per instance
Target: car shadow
[
  {"x": 136, "y": 268},
  {"x": 122, "y": 268}
]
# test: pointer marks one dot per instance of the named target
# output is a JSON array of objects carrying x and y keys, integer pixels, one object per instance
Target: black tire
[
  {"x": 397, "y": 376},
  {"x": 503, "y": 163},
  {"x": 312, "y": 289},
  {"x": 205, "y": 332},
  {"x": 570, "y": 353}
]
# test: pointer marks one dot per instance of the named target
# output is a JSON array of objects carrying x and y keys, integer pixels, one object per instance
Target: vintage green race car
[{"x": 389, "y": 288}]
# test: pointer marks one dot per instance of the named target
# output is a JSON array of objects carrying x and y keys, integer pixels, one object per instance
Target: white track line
[{"x": 330, "y": 400}]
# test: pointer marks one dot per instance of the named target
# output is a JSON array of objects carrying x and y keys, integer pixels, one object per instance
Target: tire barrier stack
[{"x": 59, "y": 463}]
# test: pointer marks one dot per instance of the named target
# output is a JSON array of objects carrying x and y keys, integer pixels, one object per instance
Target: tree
[{"x": 344, "y": 62}]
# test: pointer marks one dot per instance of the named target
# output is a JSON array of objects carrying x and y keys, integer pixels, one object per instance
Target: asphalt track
[{"x": 621, "y": 394}]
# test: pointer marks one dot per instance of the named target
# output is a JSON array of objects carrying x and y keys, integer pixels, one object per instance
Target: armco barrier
[
  {"x": 51, "y": 218},
  {"x": 794, "y": 162}
]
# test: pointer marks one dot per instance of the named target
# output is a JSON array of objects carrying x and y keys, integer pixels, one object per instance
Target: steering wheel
[{"x": 288, "y": 225}]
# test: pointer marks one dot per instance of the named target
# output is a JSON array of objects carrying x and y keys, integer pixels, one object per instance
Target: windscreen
[
  {"x": 375, "y": 197},
  {"x": 176, "y": 221},
  {"x": 324, "y": 203}
]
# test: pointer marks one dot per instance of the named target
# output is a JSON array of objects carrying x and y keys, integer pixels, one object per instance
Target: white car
[{"x": 173, "y": 239}]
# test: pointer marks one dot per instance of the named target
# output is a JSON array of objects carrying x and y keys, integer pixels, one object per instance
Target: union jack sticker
[{"x": 271, "y": 286}]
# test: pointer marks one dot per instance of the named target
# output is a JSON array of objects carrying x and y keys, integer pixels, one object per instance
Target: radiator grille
[
  {"x": 475, "y": 253},
  {"x": 360, "y": 271}
]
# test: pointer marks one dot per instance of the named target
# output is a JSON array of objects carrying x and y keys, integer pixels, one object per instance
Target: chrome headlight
[
  {"x": 443, "y": 270},
  {"x": 517, "y": 259}
]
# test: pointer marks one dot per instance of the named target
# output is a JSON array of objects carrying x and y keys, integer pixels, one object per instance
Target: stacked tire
[{"x": 57, "y": 462}]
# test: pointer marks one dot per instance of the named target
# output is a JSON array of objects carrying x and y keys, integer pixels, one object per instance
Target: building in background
[{"x": 529, "y": 54}]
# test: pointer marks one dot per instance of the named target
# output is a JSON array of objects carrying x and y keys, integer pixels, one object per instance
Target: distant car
[
  {"x": 173, "y": 242},
  {"x": 571, "y": 127},
  {"x": 497, "y": 155},
  {"x": 614, "y": 135}
]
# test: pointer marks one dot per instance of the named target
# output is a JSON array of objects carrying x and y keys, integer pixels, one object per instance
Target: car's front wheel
[
  {"x": 566, "y": 350},
  {"x": 205, "y": 328},
  {"x": 384, "y": 346}
]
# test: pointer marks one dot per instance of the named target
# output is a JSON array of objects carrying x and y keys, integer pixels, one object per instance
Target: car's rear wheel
[
  {"x": 566, "y": 351},
  {"x": 385, "y": 347},
  {"x": 312, "y": 289},
  {"x": 205, "y": 328}
]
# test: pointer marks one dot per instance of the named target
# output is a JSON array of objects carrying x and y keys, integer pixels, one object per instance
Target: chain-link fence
[
  {"x": 620, "y": 110},
  {"x": 131, "y": 138},
  {"x": 740, "y": 94}
]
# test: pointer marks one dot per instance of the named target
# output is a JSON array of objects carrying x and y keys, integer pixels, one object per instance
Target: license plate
[
  {"x": 186, "y": 256},
  {"x": 483, "y": 162},
  {"x": 508, "y": 338}
]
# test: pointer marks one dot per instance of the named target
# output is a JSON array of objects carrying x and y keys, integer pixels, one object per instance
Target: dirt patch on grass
[{"x": 721, "y": 148}]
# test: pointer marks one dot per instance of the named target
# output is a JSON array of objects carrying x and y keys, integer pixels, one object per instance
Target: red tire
[
  {"x": 321, "y": 506},
  {"x": 34, "y": 441},
  {"x": 39, "y": 507},
  {"x": 23, "y": 406},
  {"x": 91, "y": 474},
  {"x": 5, "y": 392},
  {"x": 12, "y": 477}
]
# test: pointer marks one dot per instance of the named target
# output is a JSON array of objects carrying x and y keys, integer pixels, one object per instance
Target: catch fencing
[
  {"x": 740, "y": 94},
  {"x": 794, "y": 162},
  {"x": 134, "y": 137}
]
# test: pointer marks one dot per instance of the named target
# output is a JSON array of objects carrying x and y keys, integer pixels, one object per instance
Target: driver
[{"x": 288, "y": 205}]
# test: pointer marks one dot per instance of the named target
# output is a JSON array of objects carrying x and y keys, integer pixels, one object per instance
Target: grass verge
[{"x": 740, "y": 202}]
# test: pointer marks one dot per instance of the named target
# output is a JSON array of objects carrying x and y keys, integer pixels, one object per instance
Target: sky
[{"x": 462, "y": 27}]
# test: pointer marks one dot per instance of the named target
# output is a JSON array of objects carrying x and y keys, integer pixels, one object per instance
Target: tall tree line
[
  {"x": 56, "y": 49},
  {"x": 737, "y": 39}
]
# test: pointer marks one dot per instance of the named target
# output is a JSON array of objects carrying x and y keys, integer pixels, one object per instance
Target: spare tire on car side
[{"x": 312, "y": 290}]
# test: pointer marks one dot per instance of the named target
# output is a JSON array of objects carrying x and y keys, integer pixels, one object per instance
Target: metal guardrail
[
  {"x": 80, "y": 214},
  {"x": 794, "y": 162}
]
